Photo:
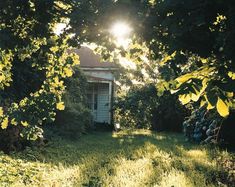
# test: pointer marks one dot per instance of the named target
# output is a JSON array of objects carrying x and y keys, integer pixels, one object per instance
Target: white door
[{"x": 103, "y": 108}]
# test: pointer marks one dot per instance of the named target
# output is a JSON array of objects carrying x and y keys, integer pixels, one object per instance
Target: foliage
[
  {"x": 203, "y": 126},
  {"x": 34, "y": 59},
  {"x": 136, "y": 108},
  {"x": 228, "y": 130},
  {"x": 34, "y": 63},
  {"x": 200, "y": 36},
  {"x": 76, "y": 118},
  {"x": 188, "y": 45},
  {"x": 120, "y": 159},
  {"x": 191, "y": 41},
  {"x": 183, "y": 46},
  {"x": 143, "y": 107}
]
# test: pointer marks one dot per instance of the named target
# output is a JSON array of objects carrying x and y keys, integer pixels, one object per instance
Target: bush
[
  {"x": 202, "y": 126},
  {"x": 227, "y": 132},
  {"x": 10, "y": 139},
  {"x": 76, "y": 118},
  {"x": 134, "y": 110},
  {"x": 144, "y": 108},
  {"x": 205, "y": 126}
]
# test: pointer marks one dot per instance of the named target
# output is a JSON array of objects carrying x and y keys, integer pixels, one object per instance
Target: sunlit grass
[{"x": 127, "y": 158}]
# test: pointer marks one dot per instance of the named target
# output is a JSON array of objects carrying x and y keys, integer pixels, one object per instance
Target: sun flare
[{"x": 121, "y": 31}]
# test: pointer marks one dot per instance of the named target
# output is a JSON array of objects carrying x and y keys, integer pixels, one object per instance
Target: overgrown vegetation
[
  {"x": 33, "y": 65},
  {"x": 182, "y": 47},
  {"x": 76, "y": 118},
  {"x": 142, "y": 107},
  {"x": 127, "y": 158},
  {"x": 193, "y": 45}
]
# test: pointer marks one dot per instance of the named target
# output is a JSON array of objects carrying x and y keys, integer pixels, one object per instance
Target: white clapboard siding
[{"x": 103, "y": 113}]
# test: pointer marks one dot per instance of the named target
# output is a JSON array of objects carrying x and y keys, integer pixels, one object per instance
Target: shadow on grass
[{"x": 102, "y": 151}]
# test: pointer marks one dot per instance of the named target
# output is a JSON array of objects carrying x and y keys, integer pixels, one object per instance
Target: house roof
[{"x": 88, "y": 59}]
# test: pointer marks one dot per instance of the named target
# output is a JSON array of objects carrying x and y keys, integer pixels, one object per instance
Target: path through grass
[{"x": 139, "y": 158}]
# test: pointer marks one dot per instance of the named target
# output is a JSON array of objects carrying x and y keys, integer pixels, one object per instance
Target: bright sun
[{"x": 121, "y": 32}]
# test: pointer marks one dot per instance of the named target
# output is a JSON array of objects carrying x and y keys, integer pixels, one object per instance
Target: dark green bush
[
  {"x": 144, "y": 108},
  {"x": 10, "y": 139},
  {"x": 206, "y": 126},
  {"x": 76, "y": 118},
  {"x": 227, "y": 131}
]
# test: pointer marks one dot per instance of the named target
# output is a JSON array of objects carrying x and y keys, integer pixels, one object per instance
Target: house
[{"x": 101, "y": 79}]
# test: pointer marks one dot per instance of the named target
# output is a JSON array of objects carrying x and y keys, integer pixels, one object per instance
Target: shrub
[
  {"x": 144, "y": 108},
  {"x": 202, "y": 126},
  {"x": 208, "y": 127},
  {"x": 227, "y": 132},
  {"x": 76, "y": 118}
]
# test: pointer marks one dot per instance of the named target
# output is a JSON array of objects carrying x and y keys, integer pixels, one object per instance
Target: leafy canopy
[
  {"x": 193, "y": 44},
  {"x": 33, "y": 61}
]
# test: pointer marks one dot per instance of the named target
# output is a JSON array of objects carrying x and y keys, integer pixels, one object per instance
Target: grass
[{"x": 137, "y": 158}]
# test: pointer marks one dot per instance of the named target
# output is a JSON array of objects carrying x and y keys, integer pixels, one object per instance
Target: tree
[
  {"x": 34, "y": 62},
  {"x": 201, "y": 35},
  {"x": 195, "y": 39}
]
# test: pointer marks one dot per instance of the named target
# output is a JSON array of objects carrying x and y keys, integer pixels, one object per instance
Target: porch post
[{"x": 110, "y": 102}]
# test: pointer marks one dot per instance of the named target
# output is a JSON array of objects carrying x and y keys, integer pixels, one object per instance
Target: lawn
[{"x": 137, "y": 158}]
